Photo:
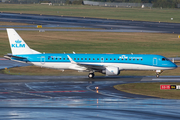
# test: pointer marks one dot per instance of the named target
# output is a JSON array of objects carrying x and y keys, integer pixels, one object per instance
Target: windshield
[{"x": 164, "y": 59}]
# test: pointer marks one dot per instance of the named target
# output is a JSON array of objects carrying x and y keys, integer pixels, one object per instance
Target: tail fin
[{"x": 17, "y": 44}]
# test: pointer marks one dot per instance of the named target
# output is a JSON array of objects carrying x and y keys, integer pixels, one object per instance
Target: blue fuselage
[{"x": 153, "y": 62}]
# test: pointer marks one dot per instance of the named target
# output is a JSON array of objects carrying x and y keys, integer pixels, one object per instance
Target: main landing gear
[{"x": 91, "y": 75}]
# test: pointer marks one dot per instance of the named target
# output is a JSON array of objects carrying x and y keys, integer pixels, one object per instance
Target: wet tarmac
[
  {"x": 103, "y": 25},
  {"x": 77, "y": 97}
]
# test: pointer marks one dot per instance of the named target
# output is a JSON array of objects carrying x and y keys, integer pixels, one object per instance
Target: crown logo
[{"x": 18, "y": 41}]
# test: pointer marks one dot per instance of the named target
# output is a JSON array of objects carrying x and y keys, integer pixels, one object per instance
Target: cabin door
[
  {"x": 42, "y": 60},
  {"x": 154, "y": 61}
]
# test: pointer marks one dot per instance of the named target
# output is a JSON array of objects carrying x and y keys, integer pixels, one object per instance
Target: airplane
[{"x": 108, "y": 64}]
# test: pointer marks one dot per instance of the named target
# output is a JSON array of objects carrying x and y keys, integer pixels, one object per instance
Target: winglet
[{"x": 73, "y": 62}]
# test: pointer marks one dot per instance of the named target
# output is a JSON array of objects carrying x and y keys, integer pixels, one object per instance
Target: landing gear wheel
[
  {"x": 157, "y": 75},
  {"x": 158, "y": 72},
  {"x": 91, "y": 75}
]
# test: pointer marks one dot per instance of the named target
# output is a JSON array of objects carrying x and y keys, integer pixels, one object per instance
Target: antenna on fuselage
[{"x": 74, "y": 52}]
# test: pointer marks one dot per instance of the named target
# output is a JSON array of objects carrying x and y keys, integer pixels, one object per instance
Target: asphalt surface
[
  {"x": 77, "y": 97},
  {"x": 105, "y": 25}
]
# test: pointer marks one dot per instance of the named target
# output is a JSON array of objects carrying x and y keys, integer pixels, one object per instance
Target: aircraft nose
[{"x": 174, "y": 65}]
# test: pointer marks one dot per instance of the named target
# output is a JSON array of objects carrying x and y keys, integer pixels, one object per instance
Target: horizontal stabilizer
[{"x": 12, "y": 56}]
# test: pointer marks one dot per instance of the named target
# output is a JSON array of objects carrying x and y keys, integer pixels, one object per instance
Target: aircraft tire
[
  {"x": 157, "y": 76},
  {"x": 91, "y": 75}
]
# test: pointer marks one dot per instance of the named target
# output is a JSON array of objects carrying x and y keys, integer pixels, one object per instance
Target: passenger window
[
  {"x": 98, "y": 59},
  {"x": 74, "y": 58},
  {"x": 89, "y": 58},
  {"x": 137, "y": 59},
  {"x": 52, "y": 58},
  {"x": 106, "y": 58},
  {"x": 141, "y": 59},
  {"x": 78, "y": 58},
  {"x": 126, "y": 59},
  {"x": 110, "y": 58},
  {"x": 93, "y": 58},
  {"x": 85, "y": 58},
  {"x": 118, "y": 59},
  {"x": 129, "y": 59},
  {"x": 114, "y": 58},
  {"x": 67, "y": 58},
  {"x": 133, "y": 59},
  {"x": 63, "y": 58},
  {"x": 56, "y": 58},
  {"x": 59, "y": 58},
  {"x": 121, "y": 59},
  {"x": 48, "y": 58},
  {"x": 81, "y": 58}
]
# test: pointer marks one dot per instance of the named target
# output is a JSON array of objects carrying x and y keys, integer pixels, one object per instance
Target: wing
[{"x": 88, "y": 66}]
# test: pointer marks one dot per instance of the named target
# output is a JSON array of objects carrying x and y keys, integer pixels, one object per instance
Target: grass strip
[
  {"x": 13, "y": 23},
  {"x": 150, "y": 89},
  {"x": 147, "y": 14},
  {"x": 97, "y": 42}
]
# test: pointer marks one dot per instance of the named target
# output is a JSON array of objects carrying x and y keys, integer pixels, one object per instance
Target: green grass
[
  {"x": 163, "y": 15},
  {"x": 150, "y": 89},
  {"x": 97, "y": 42}
]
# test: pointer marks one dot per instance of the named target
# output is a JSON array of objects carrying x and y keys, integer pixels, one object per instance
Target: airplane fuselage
[{"x": 122, "y": 61}]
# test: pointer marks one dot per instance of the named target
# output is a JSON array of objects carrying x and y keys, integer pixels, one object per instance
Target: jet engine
[{"x": 111, "y": 71}]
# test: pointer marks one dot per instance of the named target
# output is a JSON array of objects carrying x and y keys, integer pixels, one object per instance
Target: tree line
[{"x": 156, "y": 3}]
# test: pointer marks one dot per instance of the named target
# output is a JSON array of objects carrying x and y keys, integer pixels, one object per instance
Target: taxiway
[{"x": 100, "y": 25}]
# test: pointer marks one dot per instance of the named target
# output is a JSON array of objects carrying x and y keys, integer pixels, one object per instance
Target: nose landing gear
[
  {"x": 157, "y": 75},
  {"x": 158, "y": 72}
]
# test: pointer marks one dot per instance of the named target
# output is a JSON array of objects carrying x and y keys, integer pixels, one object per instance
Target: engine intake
[{"x": 111, "y": 71}]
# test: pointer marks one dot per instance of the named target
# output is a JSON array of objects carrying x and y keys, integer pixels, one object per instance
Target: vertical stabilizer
[{"x": 17, "y": 44}]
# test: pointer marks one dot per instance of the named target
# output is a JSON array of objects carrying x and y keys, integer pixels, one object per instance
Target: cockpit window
[{"x": 164, "y": 59}]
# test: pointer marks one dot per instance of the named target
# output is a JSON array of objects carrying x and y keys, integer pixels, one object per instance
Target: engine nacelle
[{"x": 111, "y": 71}]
